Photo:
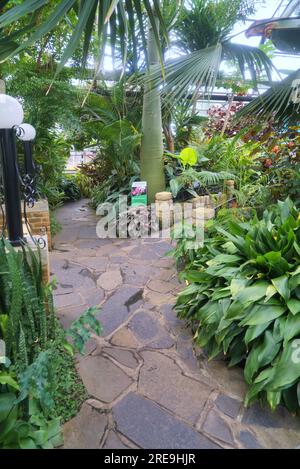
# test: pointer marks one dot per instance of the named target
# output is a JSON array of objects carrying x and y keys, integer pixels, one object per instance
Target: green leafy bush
[
  {"x": 26, "y": 310},
  {"x": 243, "y": 300},
  {"x": 69, "y": 187}
]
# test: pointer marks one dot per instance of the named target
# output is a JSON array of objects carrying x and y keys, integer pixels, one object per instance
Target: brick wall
[
  {"x": 38, "y": 218},
  {"x": 39, "y": 221}
]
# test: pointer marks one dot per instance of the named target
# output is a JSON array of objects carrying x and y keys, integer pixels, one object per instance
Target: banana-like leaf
[
  {"x": 115, "y": 18},
  {"x": 186, "y": 75}
]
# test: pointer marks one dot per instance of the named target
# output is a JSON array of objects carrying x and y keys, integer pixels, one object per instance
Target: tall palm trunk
[{"x": 152, "y": 167}]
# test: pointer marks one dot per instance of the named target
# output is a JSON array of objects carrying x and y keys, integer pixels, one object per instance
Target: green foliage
[
  {"x": 33, "y": 433},
  {"x": 95, "y": 20},
  {"x": 68, "y": 392},
  {"x": 112, "y": 121},
  {"x": 80, "y": 330},
  {"x": 243, "y": 300},
  {"x": 23, "y": 425},
  {"x": 42, "y": 381},
  {"x": 55, "y": 115},
  {"x": 68, "y": 185},
  {"x": 37, "y": 382},
  {"x": 111, "y": 190},
  {"x": 84, "y": 184},
  {"x": 204, "y": 23},
  {"x": 188, "y": 177},
  {"x": 23, "y": 300}
]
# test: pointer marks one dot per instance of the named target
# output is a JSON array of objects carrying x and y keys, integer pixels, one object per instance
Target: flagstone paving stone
[
  {"x": 114, "y": 442},
  {"x": 228, "y": 405},
  {"x": 217, "y": 427},
  {"x": 148, "y": 385},
  {"x": 102, "y": 378},
  {"x": 124, "y": 357},
  {"x": 153, "y": 427},
  {"x": 162, "y": 381},
  {"x": 94, "y": 424},
  {"x": 110, "y": 280}
]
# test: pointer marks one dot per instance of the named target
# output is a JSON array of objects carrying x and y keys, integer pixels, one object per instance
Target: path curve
[{"x": 147, "y": 388}]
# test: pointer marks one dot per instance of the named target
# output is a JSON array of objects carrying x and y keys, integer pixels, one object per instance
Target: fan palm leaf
[
  {"x": 277, "y": 101},
  {"x": 184, "y": 76},
  {"x": 108, "y": 18}
]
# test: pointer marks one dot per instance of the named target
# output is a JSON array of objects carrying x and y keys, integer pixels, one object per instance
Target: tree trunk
[
  {"x": 152, "y": 167},
  {"x": 169, "y": 138}
]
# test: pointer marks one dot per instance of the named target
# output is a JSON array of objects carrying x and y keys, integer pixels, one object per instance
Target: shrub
[
  {"x": 243, "y": 300},
  {"x": 69, "y": 187}
]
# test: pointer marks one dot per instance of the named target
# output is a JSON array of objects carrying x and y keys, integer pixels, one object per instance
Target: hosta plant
[{"x": 243, "y": 301}]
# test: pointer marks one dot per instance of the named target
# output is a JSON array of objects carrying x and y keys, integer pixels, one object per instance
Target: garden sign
[{"x": 139, "y": 193}]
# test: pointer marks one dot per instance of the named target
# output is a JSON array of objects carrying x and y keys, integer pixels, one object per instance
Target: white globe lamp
[
  {"x": 11, "y": 112},
  {"x": 27, "y": 133}
]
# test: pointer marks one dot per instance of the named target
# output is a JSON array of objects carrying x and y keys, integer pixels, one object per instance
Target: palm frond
[
  {"x": 276, "y": 102},
  {"x": 186, "y": 75},
  {"x": 106, "y": 18}
]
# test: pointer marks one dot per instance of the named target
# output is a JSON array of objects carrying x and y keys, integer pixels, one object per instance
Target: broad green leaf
[
  {"x": 253, "y": 293},
  {"x": 263, "y": 314},
  {"x": 294, "y": 281},
  {"x": 259, "y": 385},
  {"x": 236, "y": 285},
  {"x": 175, "y": 187},
  {"x": 271, "y": 291},
  {"x": 255, "y": 331},
  {"x": 269, "y": 349},
  {"x": 7, "y": 379},
  {"x": 292, "y": 327},
  {"x": 287, "y": 370},
  {"x": 294, "y": 306},
  {"x": 7, "y": 402},
  {"x": 251, "y": 365},
  {"x": 189, "y": 156},
  {"x": 282, "y": 286},
  {"x": 224, "y": 259},
  {"x": 27, "y": 443}
]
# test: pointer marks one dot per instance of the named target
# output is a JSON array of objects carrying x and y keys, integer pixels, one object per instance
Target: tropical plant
[
  {"x": 68, "y": 185},
  {"x": 27, "y": 323},
  {"x": 17, "y": 433},
  {"x": 110, "y": 19},
  {"x": 243, "y": 301},
  {"x": 204, "y": 23},
  {"x": 188, "y": 178},
  {"x": 110, "y": 190}
]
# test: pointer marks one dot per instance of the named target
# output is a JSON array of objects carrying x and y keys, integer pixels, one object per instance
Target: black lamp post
[
  {"x": 11, "y": 115},
  {"x": 27, "y": 133}
]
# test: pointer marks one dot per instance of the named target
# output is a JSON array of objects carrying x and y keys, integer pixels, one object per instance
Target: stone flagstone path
[{"x": 148, "y": 388}]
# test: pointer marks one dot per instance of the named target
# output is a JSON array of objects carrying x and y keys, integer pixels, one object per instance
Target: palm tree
[{"x": 152, "y": 167}]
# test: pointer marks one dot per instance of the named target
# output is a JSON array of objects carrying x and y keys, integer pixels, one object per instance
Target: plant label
[{"x": 139, "y": 193}]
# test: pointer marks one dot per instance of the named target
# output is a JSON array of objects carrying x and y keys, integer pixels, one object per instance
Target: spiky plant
[{"x": 27, "y": 317}]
